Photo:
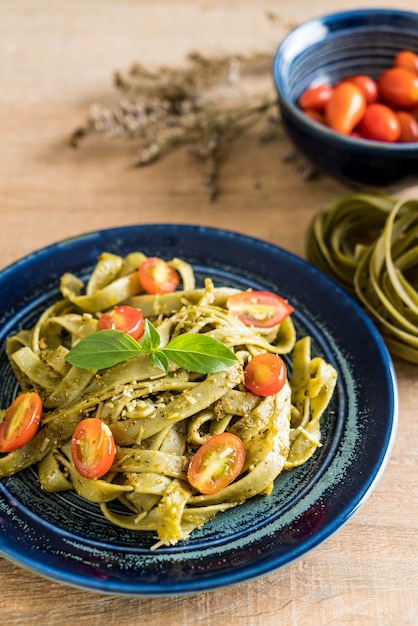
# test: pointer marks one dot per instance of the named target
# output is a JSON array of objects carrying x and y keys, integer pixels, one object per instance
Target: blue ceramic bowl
[{"x": 327, "y": 49}]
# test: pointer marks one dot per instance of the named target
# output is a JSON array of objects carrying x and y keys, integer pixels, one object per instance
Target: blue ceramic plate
[{"x": 66, "y": 539}]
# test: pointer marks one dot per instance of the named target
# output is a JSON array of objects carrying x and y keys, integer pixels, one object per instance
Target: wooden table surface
[{"x": 58, "y": 57}]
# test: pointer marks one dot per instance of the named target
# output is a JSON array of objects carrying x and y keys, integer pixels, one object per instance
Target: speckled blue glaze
[
  {"x": 326, "y": 49},
  {"x": 61, "y": 537}
]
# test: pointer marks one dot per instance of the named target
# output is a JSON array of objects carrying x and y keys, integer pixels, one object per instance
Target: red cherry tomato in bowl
[
  {"x": 409, "y": 127},
  {"x": 367, "y": 85},
  {"x": 398, "y": 87},
  {"x": 261, "y": 309},
  {"x": 315, "y": 98},
  {"x": 380, "y": 123},
  {"x": 157, "y": 276},
  {"x": 265, "y": 374},
  {"x": 125, "y": 318},
  {"x": 414, "y": 112},
  {"x": 217, "y": 463},
  {"x": 318, "y": 116},
  {"x": 407, "y": 59},
  {"x": 345, "y": 108},
  {"x": 93, "y": 448},
  {"x": 21, "y": 421}
]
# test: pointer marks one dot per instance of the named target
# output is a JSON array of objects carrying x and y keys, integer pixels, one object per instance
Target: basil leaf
[
  {"x": 199, "y": 353},
  {"x": 195, "y": 353},
  {"x": 103, "y": 349},
  {"x": 160, "y": 360},
  {"x": 150, "y": 339}
]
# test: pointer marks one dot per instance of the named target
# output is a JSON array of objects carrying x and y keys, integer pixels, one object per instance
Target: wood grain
[{"x": 57, "y": 57}]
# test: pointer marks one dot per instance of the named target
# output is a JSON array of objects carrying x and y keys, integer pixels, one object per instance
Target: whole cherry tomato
[
  {"x": 380, "y": 123},
  {"x": 345, "y": 108},
  {"x": 396, "y": 92},
  {"x": 125, "y": 318},
  {"x": 93, "y": 448},
  {"x": 217, "y": 463},
  {"x": 414, "y": 112},
  {"x": 409, "y": 127},
  {"x": 407, "y": 59},
  {"x": 315, "y": 98},
  {"x": 261, "y": 309},
  {"x": 265, "y": 374},
  {"x": 157, "y": 276},
  {"x": 318, "y": 116},
  {"x": 21, "y": 421},
  {"x": 367, "y": 85},
  {"x": 398, "y": 87}
]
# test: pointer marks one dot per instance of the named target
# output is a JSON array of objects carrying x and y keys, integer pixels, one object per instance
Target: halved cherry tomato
[
  {"x": 217, "y": 463},
  {"x": 125, "y": 318},
  {"x": 345, "y": 108},
  {"x": 93, "y": 448},
  {"x": 407, "y": 59},
  {"x": 261, "y": 309},
  {"x": 265, "y": 374},
  {"x": 398, "y": 87},
  {"x": 156, "y": 276},
  {"x": 367, "y": 85},
  {"x": 315, "y": 98},
  {"x": 20, "y": 421},
  {"x": 409, "y": 127},
  {"x": 380, "y": 123}
]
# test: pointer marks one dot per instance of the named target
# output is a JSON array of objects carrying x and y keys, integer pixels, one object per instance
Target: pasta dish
[{"x": 183, "y": 434}]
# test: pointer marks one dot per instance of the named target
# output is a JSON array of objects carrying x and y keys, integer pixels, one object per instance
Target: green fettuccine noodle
[
  {"x": 158, "y": 419},
  {"x": 369, "y": 244}
]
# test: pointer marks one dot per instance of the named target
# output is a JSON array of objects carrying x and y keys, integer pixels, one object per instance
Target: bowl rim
[{"x": 318, "y": 129}]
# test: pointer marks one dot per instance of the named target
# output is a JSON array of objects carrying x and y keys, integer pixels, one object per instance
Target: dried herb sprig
[
  {"x": 183, "y": 83},
  {"x": 169, "y": 108}
]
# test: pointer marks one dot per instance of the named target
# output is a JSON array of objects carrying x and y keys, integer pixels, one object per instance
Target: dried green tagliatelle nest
[{"x": 368, "y": 243}]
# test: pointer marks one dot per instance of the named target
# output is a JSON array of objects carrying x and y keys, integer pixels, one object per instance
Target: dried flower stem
[{"x": 169, "y": 108}]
